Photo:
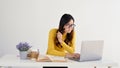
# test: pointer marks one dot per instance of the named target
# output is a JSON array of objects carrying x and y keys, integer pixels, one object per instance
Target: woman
[{"x": 61, "y": 41}]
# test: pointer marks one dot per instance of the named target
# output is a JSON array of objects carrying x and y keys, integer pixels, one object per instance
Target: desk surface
[{"x": 13, "y": 60}]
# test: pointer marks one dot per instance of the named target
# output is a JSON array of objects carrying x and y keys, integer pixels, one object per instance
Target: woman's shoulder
[{"x": 53, "y": 30}]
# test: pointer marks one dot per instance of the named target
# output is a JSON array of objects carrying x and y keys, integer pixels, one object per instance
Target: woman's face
[{"x": 69, "y": 26}]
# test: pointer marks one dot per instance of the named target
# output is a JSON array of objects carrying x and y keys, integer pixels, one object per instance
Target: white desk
[{"x": 13, "y": 60}]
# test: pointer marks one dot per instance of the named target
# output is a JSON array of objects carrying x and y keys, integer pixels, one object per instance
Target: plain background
[{"x": 30, "y": 21}]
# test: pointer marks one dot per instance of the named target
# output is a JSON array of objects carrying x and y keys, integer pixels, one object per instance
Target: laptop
[{"x": 91, "y": 50}]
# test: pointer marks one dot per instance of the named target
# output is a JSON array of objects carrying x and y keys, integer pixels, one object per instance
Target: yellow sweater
[{"x": 58, "y": 51}]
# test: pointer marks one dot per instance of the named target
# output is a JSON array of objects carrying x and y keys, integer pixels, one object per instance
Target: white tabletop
[{"x": 13, "y": 60}]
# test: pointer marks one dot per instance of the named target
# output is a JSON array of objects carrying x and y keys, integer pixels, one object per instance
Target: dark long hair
[{"x": 64, "y": 20}]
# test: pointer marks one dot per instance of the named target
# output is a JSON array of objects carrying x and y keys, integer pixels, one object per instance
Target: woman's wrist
[
  {"x": 68, "y": 55},
  {"x": 74, "y": 56},
  {"x": 60, "y": 41}
]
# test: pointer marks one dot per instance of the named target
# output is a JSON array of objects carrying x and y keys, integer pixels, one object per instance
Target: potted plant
[{"x": 23, "y": 48}]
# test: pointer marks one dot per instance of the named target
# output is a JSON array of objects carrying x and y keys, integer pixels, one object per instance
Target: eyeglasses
[{"x": 71, "y": 25}]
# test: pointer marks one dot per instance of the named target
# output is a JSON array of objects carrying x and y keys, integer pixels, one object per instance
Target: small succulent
[{"x": 23, "y": 46}]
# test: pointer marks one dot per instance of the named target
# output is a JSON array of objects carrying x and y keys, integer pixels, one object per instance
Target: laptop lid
[{"x": 91, "y": 50}]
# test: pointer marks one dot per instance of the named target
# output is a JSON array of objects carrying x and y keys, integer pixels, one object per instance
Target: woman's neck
[{"x": 64, "y": 34}]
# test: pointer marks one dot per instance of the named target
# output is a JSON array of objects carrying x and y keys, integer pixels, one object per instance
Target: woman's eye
[{"x": 67, "y": 24}]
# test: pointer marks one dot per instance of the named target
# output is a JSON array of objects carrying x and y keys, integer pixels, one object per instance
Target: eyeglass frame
[{"x": 72, "y": 25}]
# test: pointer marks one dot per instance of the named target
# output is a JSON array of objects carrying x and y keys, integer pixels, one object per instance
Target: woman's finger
[{"x": 77, "y": 56}]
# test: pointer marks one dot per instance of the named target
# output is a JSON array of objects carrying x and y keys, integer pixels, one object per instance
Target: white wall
[
  {"x": 116, "y": 30},
  {"x": 30, "y": 21}
]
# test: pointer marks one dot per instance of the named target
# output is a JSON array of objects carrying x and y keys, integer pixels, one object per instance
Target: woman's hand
[
  {"x": 59, "y": 36},
  {"x": 68, "y": 55},
  {"x": 74, "y": 56}
]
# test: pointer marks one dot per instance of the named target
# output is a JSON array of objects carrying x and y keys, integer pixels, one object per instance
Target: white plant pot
[{"x": 23, "y": 55}]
